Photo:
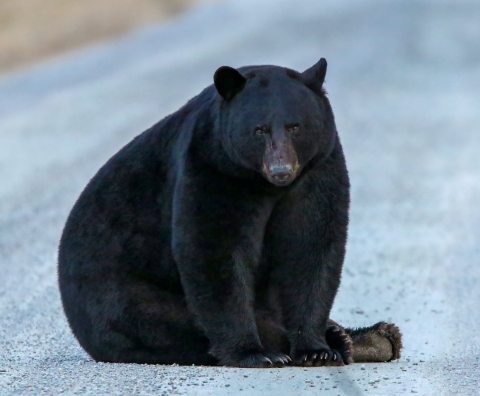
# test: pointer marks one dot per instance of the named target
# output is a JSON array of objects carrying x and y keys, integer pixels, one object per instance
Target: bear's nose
[
  {"x": 280, "y": 174},
  {"x": 282, "y": 177}
]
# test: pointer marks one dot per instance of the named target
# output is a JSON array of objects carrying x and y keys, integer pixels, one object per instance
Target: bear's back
[{"x": 121, "y": 223}]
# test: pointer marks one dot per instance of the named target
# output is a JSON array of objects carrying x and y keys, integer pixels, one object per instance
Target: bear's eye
[
  {"x": 293, "y": 128},
  {"x": 260, "y": 130}
]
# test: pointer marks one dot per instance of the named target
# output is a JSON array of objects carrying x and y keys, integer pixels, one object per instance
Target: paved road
[{"x": 404, "y": 81}]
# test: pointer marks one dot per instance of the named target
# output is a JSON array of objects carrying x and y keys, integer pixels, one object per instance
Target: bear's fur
[{"x": 218, "y": 235}]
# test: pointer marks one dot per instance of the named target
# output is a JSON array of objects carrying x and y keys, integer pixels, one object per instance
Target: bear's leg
[
  {"x": 217, "y": 240},
  {"x": 381, "y": 342},
  {"x": 154, "y": 327},
  {"x": 305, "y": 241}
]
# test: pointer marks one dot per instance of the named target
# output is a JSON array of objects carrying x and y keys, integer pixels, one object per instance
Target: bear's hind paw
[
  {"x": 381, "y": 342},
  {"x": 339, "y": 340},
  {"x": 392, "y": 333}
]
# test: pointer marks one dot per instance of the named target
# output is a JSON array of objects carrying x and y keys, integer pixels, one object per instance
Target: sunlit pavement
[{"x": 404, "y": 82}]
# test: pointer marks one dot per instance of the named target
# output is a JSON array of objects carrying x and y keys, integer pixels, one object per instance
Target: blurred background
[
  {"x": 32, "y": 30},
  {"x": 82, "y": 78}
]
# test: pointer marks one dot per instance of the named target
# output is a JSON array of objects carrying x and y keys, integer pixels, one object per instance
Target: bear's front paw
[
  {"x": 247, "y": 360},
  {"x": 278, "y": 359},
  {"x": 317, "y": 357}
]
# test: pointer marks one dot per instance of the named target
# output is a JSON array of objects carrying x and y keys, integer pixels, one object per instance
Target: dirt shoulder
[{"x": 32, "y": 30}]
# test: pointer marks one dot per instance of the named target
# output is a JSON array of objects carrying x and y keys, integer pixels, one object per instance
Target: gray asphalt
[{"x": 404, "y": 82}]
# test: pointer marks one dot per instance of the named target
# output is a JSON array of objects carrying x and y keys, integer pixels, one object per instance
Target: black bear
[{"x": 218, "y": 235}]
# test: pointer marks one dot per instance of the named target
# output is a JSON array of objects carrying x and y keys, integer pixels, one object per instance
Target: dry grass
[{"x": 36, "y": 29}]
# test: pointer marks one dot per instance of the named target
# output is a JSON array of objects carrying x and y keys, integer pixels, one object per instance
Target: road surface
[{"x": 404, "y": 82}]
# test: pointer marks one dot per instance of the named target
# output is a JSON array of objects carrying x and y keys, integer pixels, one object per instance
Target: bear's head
[{"x": 274, "y": 120}]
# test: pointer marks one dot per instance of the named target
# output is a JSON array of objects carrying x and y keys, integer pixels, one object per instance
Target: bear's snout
[
  {"x": 282, "y": 174},
  {"x": 280, "y": 162}
]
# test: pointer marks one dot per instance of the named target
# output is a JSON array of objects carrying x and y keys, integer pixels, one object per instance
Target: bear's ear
[
  {"x": 228, "y": 82},
  {"x": 315, "y": 75}
]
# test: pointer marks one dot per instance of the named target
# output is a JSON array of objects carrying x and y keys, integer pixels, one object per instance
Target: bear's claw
[
  {"x": 321, "y": 357},
  {"x": 279, "y": 359}
]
